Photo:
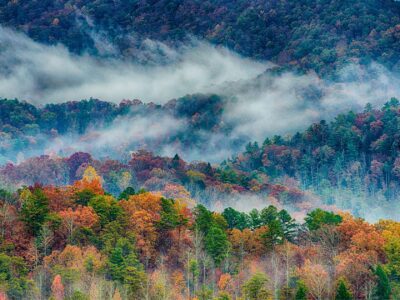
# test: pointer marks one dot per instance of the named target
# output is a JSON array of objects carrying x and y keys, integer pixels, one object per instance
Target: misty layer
[
  {"x": 43, "y": 74},
  {"x": 256, "y": 99}
]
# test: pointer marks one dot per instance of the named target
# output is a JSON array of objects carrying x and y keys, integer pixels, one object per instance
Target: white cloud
[{"x": 42, "y": 74}]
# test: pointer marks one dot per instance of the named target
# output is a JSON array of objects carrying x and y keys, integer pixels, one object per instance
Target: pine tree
[
  {"x": 382, "y": 290},
  {"x": 342, "y": 292},
  {"x": 35, "y": 210},
  {"x": 302, "y": 292}
]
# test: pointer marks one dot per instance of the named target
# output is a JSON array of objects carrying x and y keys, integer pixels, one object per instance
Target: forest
[
  {"x": 318, "y": 35},
  {"x": 199, "y": 150},
  {"x": 79, "y": 242},
  {"x": 157, "y": 227}
]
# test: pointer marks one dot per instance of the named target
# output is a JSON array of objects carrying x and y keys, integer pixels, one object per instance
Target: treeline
[
  {"x": 319, "y": 35},
  {"x": 172, "y": 176},
  {"x": 79, "y": 242},
  {"x": 349, "y": 161},
  {"x": 25, "y": 128}
]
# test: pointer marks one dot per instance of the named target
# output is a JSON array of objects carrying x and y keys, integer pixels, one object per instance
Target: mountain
[
  {"x": 183, "y": 125},
  {"x": 261, "y": 162},
  {"x": 351, "y": 162},
  {"x": 310, "y": 35}
]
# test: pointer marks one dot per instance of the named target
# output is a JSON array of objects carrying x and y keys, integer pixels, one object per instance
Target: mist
[
  {"x": 258, "y": 102},
  {"x": 41, "y": 74}
]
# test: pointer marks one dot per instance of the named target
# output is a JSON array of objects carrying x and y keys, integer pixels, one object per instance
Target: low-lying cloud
[
  {"x": 41, "y": 73},
  {"x": 285, "y": 103},
  {"x": 258, "y": 103}
]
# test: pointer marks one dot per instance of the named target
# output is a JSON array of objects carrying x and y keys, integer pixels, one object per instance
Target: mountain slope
[{"x": 318, "y": 35}]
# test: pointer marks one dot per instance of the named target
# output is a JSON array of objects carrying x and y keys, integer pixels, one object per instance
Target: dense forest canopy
[
  {"x": 350, "y": 162},
  {"x": 79, "y": 242},
  {"x": 311, "y": 35},
  {"x": 262, "y": 161}
]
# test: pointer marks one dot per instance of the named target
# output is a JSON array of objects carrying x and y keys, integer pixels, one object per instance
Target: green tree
[
  {"x": 204, "y": 218},
  {"x": 83, "y": 197},
  {"x": 217, "y": 244},
  {"x": 274, "y": 234},
  {"x": 123, "y": 266},
  {"x": 204, "y": 293},
  {"x": 382, "y": 290},
  {"x": 35, "y": 210},
  {"x": 288, "y": 224},
  {"x": 342, "y": 291},
  {"x": 129, "y": 191},
  {"x": 169, "y": 217},
  {"x": 302, "y": 291},
  {"x": 318, "y": 217},
  {"x": 236, "y": 219},
  {"x": 14, "y": 276},
  {"x": 256, "y": 287},
  {"x": 77, "y": 295},
  {"x": 223, "y": 296},
  {"x": 106, "y": 207}
]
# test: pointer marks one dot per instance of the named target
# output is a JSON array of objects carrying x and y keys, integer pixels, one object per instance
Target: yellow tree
[{"x": 90, "y": 181}]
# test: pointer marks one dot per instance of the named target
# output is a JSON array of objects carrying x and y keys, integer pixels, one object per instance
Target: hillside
[
  {"x": 199, "y": 150},
  {"x": 310, "y": 35},
  {"x": 78, "y": 242},
  {"x": 350, "y": 162},
  {"x": 182, "y": 125}
]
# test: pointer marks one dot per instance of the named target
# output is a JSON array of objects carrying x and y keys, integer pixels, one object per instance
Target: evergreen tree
[
  {"x": 318, "y": 217},
  {"x": 301, "y": 293},
  {"x": 342, "y": 292},
  {"x": 217, "y": 244},
  {"x": 129, "y": 191},
  {"x": 35, "y": 210},
  {"x": 382, "y": 290},
  {"x": 256, "y": 287}
]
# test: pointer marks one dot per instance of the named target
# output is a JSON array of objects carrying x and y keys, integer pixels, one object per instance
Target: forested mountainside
[
  {"x": 79, "y": 242},
  {"x": 310, "y": 35},
  {"x": 182, "y": 124},
  {"x": 276, "y": 177},
  {"x": 351, "y": 162}
]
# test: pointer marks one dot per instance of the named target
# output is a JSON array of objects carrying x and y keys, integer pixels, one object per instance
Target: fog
[
  {"x": 259, "y": 103},
  {"x": 42, "y": 74}
]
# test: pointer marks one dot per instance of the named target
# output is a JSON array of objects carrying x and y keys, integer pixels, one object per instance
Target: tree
[
  {"x": 169, "y": 217},
  {"x": 124, "y": 267},
  {"x": 90, "y": 181},
  {"x": 342, "y": 291},
  {"x": 82, "y": 216},
  {"x": 236, "y": 219},
  {"x": 217, "y": 244},
  {"x": 14, "y": 276},
  {"x": 256, "y": 287},
  {"x": 204, "y": 293},
  {"x": 83, "y": 197},
  {"x": 288, "y": 224},
  {"x": 316, "y": 279},
  {"x": 106, "y": 207},
  {"x": 318, "y": 217},
  {"x": 203, "y": 218},
  {"x": 129, "y": 191},
  {"x": 302, "y": 291},
  {"x": 382, "y": 290},
  {"x": 34, "y": 211},
  {"x": 274, "y": 234},
  {"x": 57, "y": 288}
]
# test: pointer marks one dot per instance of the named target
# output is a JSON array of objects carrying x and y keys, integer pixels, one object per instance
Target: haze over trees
[
  {"x": 310, "y": 35},
  {"x": 197, "y": 198}
]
